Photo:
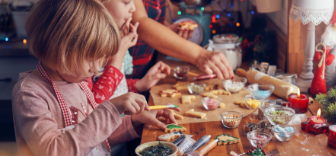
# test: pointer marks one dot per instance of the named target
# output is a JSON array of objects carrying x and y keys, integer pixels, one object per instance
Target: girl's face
[
  {"x": 80, "y": 75},
  {"x": 121, "y": 10}
]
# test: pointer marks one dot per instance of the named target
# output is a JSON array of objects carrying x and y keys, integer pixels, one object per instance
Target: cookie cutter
[{"x": 262, "y": 125}]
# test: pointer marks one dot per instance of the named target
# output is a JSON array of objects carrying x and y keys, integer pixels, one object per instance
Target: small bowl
[
  {"x": 196, "y": 88},
  {"x": 261, "y": 89},
  {"x": 210, "y": 103},
  {"x": 181, "y": 72},
  {"x": 231, "y": 119},
  {"x": 259, "y": 138},
  {"x": 235, "y": 85},
  {"x": 256, "y": 98},
  {"x": 154, "y": 143},
  {"x": 276, "y": 119},
  {"x": 284, "y": 132}
]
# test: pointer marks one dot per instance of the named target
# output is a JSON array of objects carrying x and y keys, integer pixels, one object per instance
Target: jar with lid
[{"x": 228, "y": 44}]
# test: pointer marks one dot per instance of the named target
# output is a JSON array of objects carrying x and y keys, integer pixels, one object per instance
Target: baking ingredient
[
  {"x": 231, "y": 120},
  {"x": 233, "y": 86},
  {"x": 211, "y": 103},
  {"x": 253, "y": 103},
  {"x": 259, "y": 140},
  {"x": 157, "y": 150},
  {"x": 279, "y": 117},
  {"x": 196, "y": 89}
]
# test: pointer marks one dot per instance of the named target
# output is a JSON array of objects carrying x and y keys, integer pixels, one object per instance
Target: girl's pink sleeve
[
  {"x": 107, "y": 83},
  {"x": 131, "y": 85}
]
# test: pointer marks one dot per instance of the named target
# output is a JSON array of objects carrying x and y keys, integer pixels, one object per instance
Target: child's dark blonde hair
[{"x": 65, "y": 33}]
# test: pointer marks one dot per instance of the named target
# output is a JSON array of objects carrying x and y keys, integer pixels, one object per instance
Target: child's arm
[
  {"x": 159, "y": 71},
  {"x": 107, "y": 83}
]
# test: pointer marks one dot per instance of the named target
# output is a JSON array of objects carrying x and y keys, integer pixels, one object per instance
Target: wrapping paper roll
[{"x": 281, "y": 88}]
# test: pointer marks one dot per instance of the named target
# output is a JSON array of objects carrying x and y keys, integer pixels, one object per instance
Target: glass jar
[{"x": 229, "y": 45}]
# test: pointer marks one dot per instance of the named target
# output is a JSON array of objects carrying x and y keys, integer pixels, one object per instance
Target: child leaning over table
[
  {"x": 107, "y": 85},
  {"x": 54, "y": 112}
]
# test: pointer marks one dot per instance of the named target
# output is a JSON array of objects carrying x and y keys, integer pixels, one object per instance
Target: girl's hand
[
  {"x": 159, "y": 71},
  {"x": 130, "y": 103},
  {"x": 149, "y": 117}
]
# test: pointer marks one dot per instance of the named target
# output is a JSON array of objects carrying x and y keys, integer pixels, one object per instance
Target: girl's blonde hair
[{"x": 65, "y": 33}]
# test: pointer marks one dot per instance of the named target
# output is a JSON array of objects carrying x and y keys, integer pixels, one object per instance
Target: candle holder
[
  {"x": 298, "y": 102},
  {"x": 332, "y": 136},
  {"x": 309, "y": 126}
]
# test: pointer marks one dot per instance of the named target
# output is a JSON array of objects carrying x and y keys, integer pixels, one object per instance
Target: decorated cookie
[
  {"x": 169, "y": 93},
  {"x": 170, "y": 136},
  {"x": 256, "y": 151},
  {"x": 220, "y": 92},
  {"x": 174, "y": 128},
  {"x": 186, "y": 99},
  {"x": 241, "y": 103},
  {"x": 188, "y": 24},
  {"x": 192, "y": 113},
  {"x": 226, "y": 139}
]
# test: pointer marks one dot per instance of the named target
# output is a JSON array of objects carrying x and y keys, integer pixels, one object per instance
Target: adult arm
[{"x": 166, "y": 41}]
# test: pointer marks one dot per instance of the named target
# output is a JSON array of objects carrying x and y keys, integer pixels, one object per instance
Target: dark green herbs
[
  {"x": 157, "y": 150},
  {"x": 280, "y": 117}
]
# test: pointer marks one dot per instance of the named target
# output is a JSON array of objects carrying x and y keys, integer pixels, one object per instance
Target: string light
[
  {"x": 179, "y": 13},
  {"x": 6, "y": 39},
  {"x": 237, "y": 24},
  {"x": 230, "y": 25},
  {"x": 202, "y": 8},
  {"x": 24, "y": 41},
  {"x": 213, "y": 31},
  {"x": 217, "y": 16},
  {"x": 229, "y": 14},
  {"x": 210, "y": 26},
  {"x": 252, "y": 12},
  {"x": 232, "y": 5},
  {"x": 213, "y": 19}
]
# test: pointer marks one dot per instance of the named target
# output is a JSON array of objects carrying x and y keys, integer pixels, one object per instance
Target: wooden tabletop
[{"x": 300, "y": 144}]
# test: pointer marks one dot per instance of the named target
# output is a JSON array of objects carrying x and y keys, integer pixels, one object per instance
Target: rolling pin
[
  {"x": 241, "y": 72},
  {"x": 206, "y": 148}
]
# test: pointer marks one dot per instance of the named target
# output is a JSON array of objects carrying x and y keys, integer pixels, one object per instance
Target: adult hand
[
  {"x": 149, "y": 117},
  {"x": 130, "y": 103},
  {"x": 214, "y": 63},
  {"x": 184, "y": 33},
  {"x": 159, "y": 71}
]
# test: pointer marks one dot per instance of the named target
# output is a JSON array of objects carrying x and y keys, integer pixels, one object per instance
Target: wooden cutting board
[{"x": 196, "y": 104}]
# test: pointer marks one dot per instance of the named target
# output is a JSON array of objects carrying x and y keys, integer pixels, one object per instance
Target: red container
[
  {"x": 332, "y": 136},
  {"x": 315, "y": 129},
  {"x": 299, "y": 104}
]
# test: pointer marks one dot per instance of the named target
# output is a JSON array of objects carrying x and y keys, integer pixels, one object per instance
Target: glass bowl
[
  {"x": 259, "y": 138},
  {"x": 196, "y": 88},
  {"x": 279, "y": 115},
  {"x": 235, "y": 85},
  {"x": 170, "y": 145},
  {"x": 253, "y": 102},
  {"x": 231, "y": 119},
  {"x": 284, "y": 132},
  {"x": 210, "y": 103},
  {"x": 181, "y": 72},
  {"x": 261, "y": 89}
]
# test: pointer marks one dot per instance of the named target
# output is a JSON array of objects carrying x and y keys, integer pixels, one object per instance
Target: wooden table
[{"x": 301, "y": 144}]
